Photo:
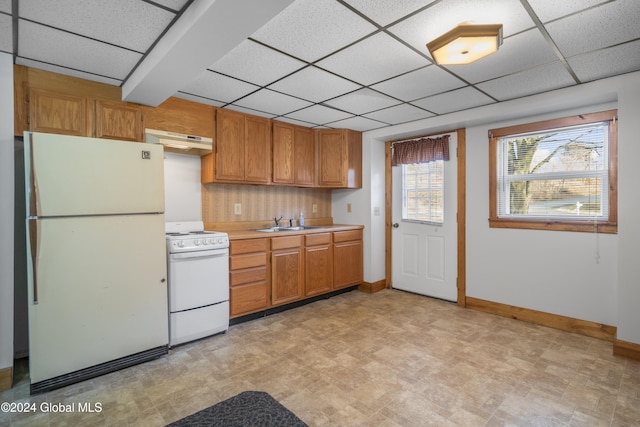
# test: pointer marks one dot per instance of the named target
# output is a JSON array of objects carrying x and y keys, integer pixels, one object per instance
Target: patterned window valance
[{"x": 423, "y": 150}]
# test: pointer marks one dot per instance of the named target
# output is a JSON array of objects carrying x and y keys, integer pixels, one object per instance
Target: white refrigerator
[{"x": 96, "y": 257}]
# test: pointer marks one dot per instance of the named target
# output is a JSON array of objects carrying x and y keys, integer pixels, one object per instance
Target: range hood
[{"x": 179, "y": 143}]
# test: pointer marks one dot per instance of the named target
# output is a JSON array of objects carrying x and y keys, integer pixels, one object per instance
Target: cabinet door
[
  {"x": 118, "y": 120},
  {"x": 304, "y": 157},
  {"x": 332, "y": 158},
  {"x": 230, "y": 147},
  {"x": 257, "y": 166},
  {"x": 286, "y": 276},
  {"x": 283, "y": 153},
  {"x": 318, "y": 269},
  {"x": 347, "y": 263},
  {"x": 53, "y": 112}
]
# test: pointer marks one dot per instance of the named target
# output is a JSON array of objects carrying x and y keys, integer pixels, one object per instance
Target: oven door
[{"x": 197, "y": 279}]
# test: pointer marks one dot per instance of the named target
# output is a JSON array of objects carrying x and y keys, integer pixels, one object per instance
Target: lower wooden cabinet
[
  {"x": 347, "y": 258},
  {"x": 268, "y": 272},
  {"x": 286, "y": 269},
  {"x": 248, "y": 276},
  {"x": 318, "y": 258}
]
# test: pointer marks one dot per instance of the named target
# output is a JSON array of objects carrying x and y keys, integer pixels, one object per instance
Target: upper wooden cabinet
[
  {"x": 293, "y": 155},
  {"x": 53, "y": 112},
  {"x": 118, "y": 120},
  {"x": 305, "y": 157},
  {"x": 339, "y": 157},
  {"x": 181, "y": 116},
  {"x": 242, "y": 150}
]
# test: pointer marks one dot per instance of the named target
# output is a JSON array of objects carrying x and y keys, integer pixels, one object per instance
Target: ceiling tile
[
  {"x": 535, "y": 80},
  {"x": 604, "y": 26},
  {"x": 314, "y": 85},
  {"x": 131, "y": 24},
  {"x": 176, "y": 5},
  {"x": 42, "y": 43},
  {"x": 440, "y": 18},
  {"x": 459, "y": 99},
  {"x": 374, "y": 59},
  {"x": 384, "y": 12},
  {"x": 399, "y": 114},
  {"x": 319, "y": 114},
  {"x": 312, "y": 29},
  {"x": 250, "y": 111},
  {"x": 519, "y": 52},
  {"x": 272, "y": 102},
  {"x": 361, "y": 124},
  {"x": 549, "y": 10},
  {"x": 5, "y": 6},
  {"x": 362, "y": 101},
  {"x": 199, "y": 99},
  {"x": 67, "y": 71},
  {"x": 295, "y": 122},
  {"x": 256, "y": 64},
  {"x": 6, "y": 34},
  {"x": 218, "y": 87},
  {"x": 420, "y": 83},
  {"x": 607, "y": 62}
]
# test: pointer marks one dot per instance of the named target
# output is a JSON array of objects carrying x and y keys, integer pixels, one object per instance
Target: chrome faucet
[{"x": 277, "y": 220}]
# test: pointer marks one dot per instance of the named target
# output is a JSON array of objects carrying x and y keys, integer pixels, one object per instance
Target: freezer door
[
  {"x": 71, "y": 176},
  {"x": 100, "y": 291}
]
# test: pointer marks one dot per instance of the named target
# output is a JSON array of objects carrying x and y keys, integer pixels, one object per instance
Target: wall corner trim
[
  {"x": 371, "y": 288},
  {"x": 6, "y": 378},
  {"x": 626, "y": 349}
]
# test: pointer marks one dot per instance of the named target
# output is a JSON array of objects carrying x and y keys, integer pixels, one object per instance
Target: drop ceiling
[{"x": 358, "y": 64}]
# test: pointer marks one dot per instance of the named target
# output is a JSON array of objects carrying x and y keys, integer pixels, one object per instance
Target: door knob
[{"x": 395, "y": 225}]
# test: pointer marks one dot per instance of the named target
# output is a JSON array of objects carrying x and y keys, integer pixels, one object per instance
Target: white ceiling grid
[{"x": 358, "y": 64}]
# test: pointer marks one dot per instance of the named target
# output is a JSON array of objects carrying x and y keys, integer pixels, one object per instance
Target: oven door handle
[{"x": 200, "y": 254}]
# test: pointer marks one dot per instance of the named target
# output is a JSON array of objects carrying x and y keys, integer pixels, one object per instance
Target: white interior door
[{"x": 424, "y": 254}]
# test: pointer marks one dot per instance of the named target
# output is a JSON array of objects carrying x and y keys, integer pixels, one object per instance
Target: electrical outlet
[
  {"x": 376, "y": 211},
  {"x": 237, "y": 209},
  {"x": 314, "y": 208},
  {"x": 349, "y": 207}
]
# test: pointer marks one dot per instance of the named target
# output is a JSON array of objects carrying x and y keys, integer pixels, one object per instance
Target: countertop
[{"x": 253, "y": 234}]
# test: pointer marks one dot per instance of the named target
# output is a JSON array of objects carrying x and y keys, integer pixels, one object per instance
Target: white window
[
  {"x": 423, "y": 192},
  {"x": 555, "y": 173}
]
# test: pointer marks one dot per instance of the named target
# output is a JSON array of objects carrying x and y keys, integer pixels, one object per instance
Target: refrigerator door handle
[
  {"x": 33, "y": 244},
  {"x": 32, "y": 189}
]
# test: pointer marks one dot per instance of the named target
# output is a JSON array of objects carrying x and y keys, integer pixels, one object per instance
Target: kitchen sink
[{"x": 298, "y": 228}]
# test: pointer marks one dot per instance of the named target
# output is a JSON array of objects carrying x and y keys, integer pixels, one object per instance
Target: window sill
[{"x": 556, "y": 225}]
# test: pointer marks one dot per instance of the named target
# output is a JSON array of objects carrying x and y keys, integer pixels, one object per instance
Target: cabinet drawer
[
  {"x": 248, "y": 298},
  {"x": 238, "y": 262},
  {"x": 249, "y": 275},
  {"x": 286, "y": 242},
  {"x": 345, "y": 236},
  {"x": 248, "y": 246},
  {"x": 317, "y": 239}
]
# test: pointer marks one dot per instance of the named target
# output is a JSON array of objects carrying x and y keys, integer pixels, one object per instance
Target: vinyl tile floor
[{"x": 384, "y": 359}]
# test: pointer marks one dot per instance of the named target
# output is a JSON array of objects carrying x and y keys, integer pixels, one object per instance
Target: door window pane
[{"x": 423, "y": 192}]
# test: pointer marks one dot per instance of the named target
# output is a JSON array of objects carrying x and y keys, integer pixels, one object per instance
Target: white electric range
[{"x": 198, "y": 280}]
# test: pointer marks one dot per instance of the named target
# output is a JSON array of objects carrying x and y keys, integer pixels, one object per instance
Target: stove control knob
[
  {"x": 196, "y": 242},
  {"x": 180, "y": 244},
  {"x": 220, "y": 240},
  {"x": 212, "y": 241}
]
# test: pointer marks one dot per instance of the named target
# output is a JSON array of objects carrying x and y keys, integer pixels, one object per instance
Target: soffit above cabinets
[{"x": 325, "y": 63}]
